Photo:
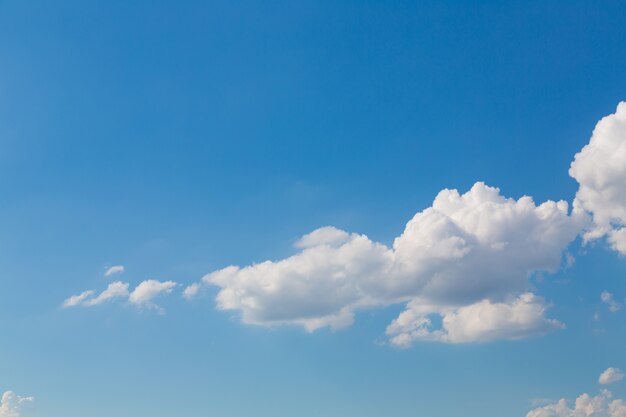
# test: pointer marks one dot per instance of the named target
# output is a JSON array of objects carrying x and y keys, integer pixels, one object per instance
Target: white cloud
[
  {"x": 467, "y": 254},
  {"x": 324, "y": 235},
  {"x": 464, "y": 262},
  {"x": 610, "y": 376},
  {"x": 116, "y": 269},
  {"x": 191, "y": 291},
  {"x": 608, "y": 299},
  {"x": 116, "y": 289},
  {"x": 600, "y": 169},
  {"x": 76, "y": 300},
  {"x": 480, "y": 322},
  {"x": 11, "y": 404},
  {"x": 145, "y": 292},
  {"x": 601, "y": 405},
  {"x": 142, "y": 296}
]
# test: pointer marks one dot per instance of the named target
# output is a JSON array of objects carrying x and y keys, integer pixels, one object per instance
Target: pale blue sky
[{"x": 178, "y": 139}]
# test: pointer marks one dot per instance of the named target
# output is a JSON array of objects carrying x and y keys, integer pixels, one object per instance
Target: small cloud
[
  {"x": 608, "y": 299},
  {"x": 141, "y": 296},
  {"x": 115, "y": 289},
  {"x": 76, "y": 300},
  {"x": 191, "y": 291},
  {"x": 610, "y": 376},
  {"x": 145, "y": 292},
  {"x": 116, "y": 269},
  {"x": 11, "y": 404}
]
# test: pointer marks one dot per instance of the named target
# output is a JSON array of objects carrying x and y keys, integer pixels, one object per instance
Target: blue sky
[{"x": 179, "y": 139}]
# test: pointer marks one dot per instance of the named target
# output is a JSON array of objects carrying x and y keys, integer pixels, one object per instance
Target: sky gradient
[{"x": 144, "y": 145}]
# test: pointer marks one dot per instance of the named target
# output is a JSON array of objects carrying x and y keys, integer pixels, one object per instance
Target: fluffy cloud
[
  {"x": 142, "y": 296},
  {"x": 608, "y": 299},
  {"x": 601, "y": 405},
  {"x": 480, "y": 322},
  {"x": 191, "y": 290},
  {"x": 461, "y": 265},
  {"x": 11, "y": 404},
  {"x": 600, "y": 169},
  {"x": 467, "y": 255},
  {"x": 610, "y": 376},
  {"x": 116, "y": 269}
]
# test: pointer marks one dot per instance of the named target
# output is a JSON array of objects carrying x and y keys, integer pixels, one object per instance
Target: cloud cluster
[
  {"x": 601, "y": 405},
  {"x": 462, "y": 266},
  {"x": 142, "y": 296},
  {"x": 600, "y": 169},
  {"x": 11, "y": 404},
  {"x": 465, "y": 259},
  {"x": 585, "y": 405}
]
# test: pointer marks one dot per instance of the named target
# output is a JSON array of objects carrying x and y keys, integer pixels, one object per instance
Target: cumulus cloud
[
  {"x": 480, "y": 322},
  {"x": 607, "y": 298},
  {"x": 142, "y": 296},
  {"x": 610, "y": 376},
  {"x": 602, "y": 405},
  {"x": 462, "y": 266},
  {"x": 11, "y": 404},
  {"x": 465, "y": 255},
  {"x": 600, "y": 169},
  {"x": 585, "y": 405},
  {"x": 116, "y": 269}
]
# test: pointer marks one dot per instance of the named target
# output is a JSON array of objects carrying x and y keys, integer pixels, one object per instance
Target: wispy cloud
[
  {"x": 79, "y": 299},
  {"x": 142, "y": 296},
  {"x": 116, "y": 289},
  {"x": 607, "y": 298},
  {"x": 116, "y": 269}
]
